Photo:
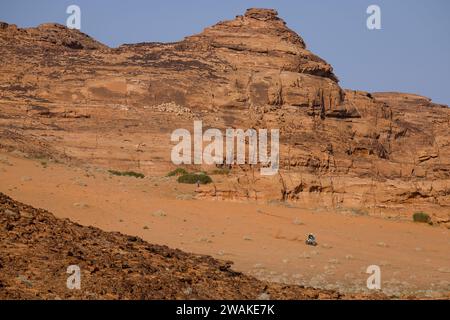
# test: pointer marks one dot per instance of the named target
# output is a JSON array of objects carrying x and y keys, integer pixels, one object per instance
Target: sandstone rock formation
[
  {"x": 253, "y": 60},
  {"x": 377, "y": 153}
]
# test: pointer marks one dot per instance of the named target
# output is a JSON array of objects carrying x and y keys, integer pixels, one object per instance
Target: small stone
[
  {"x": 24, "y": 280},
  {"x": 26, "y": 214},
  {"x": 264, "y": 296},
  {"x": 11, "y": 213},
  {"x": 159, "y": 213},
  {"x": 187, "y": 291},
  {"x": 333, "y": 261},
  {"x": 382, "y": 244},
  {"x": 247, "y": 238},
  {"x": 80, "y": 205},
  {"x": 444, "y": 270}
]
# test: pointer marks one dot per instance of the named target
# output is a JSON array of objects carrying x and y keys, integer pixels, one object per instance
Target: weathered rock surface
[
  {"x": 252, "y": 60},
  {"x": 380, "y": 153},
  {"x": 46, "y": 35}
]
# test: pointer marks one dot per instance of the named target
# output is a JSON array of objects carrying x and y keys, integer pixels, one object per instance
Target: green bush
[
  {"x": 127, "y": 173},
  {"x": 221, "y": 171},
  {"x": 177, "y": 172},
  {"x": 421, "y": 217},
  {"x": 193, "y": 178}
]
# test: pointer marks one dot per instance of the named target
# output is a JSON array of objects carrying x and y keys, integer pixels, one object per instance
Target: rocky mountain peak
[
  {"x": 49, "y": 35},
  {"x": 262, "y": 14},
  {"x": 258, "y": 29}
]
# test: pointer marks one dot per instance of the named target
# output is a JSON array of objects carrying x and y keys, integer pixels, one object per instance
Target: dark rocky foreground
[{"x": 36, "y": 248}]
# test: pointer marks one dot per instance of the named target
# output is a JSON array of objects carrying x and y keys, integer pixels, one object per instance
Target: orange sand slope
[{"x": 262, "y": 239}]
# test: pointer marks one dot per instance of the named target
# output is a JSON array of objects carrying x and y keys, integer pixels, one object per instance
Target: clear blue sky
[{"x": 410, "y": 54}]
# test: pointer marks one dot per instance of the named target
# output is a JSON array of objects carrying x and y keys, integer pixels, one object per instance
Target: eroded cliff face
[
  {"x": 266, "y": 63},
  {"x": 66, "y": 96},
  {"x": 253, "y": 60}
]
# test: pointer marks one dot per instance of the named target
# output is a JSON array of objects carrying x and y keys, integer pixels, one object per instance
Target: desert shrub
[
  {"x": 177, "y": 172},
  {"x": 133, "y": 174},
  {"x": 221, "y": 171},
  {"x": 127, "y": 173},
  {"x": 421, "y": 217},
  {"x": 114, "y": 172},
  {"x": 359, "y": 212},
  {"x": 193, "y": 178}
]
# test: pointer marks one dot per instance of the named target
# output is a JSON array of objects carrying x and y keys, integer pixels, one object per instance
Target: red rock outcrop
[{"x": 253, "y": 60}]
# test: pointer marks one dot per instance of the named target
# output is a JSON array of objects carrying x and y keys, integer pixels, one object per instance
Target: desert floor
[{"x": 262, "y": 239}]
